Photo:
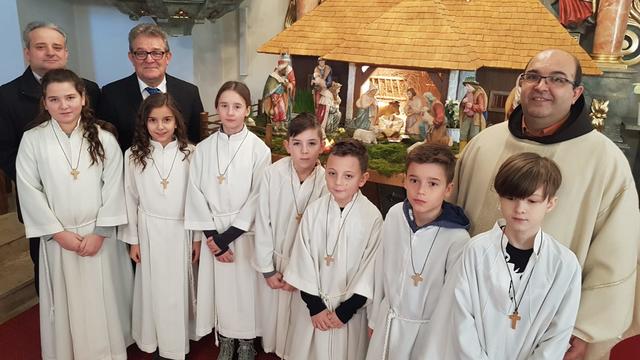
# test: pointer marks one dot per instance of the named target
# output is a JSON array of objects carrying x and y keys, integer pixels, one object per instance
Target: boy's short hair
[
  {"x": 433, "y": 154},
  {"x": 303, "y": 122},
  {"x": 522, "y": 174},
  {"x": 352, "y": 147}
]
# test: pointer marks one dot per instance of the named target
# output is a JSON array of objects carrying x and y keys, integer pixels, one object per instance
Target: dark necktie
[{"x": 153, "y": 91}]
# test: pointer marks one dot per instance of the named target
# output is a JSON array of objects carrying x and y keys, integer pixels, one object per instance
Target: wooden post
[
  {"x": 4, "y": 199},
  {"x": 268, "y": 134},
  {"x": 204, "y": 125},
  {"x": 351, "y": 83}
]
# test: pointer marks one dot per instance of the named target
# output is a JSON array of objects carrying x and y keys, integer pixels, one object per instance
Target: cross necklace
[
  {"x": 165, "y": 180},
  {"x": 293, "y": 191},
  {"x": 328, "y": 258},
  {"x": 515, "y": 316},
  {"x": 417, "y": 276},
  {"x": 74, "y": 170},
  {"x": 222, "y": 176}
]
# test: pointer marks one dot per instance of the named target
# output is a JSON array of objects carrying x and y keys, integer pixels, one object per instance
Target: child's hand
[
  {"x": 90, "y": 245},
  {"x": 134, "y": 253},
  {"x": 369, "y": 332},
  {"x": 68, "y": 240},
  {"x": 577, "y": 350},
  {"x": 321, "y": 321},
  {"x": 227, "y": 257},
  {"x": 275, "y": 281},
  {"x": 212, "y": 246},
  {"x": 195, "y": 251},
  {"x": 288, "y": 287},
  {"x": 335, "y": 321}
]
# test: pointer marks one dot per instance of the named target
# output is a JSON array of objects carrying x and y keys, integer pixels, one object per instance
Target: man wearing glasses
[
  {"x": 149, "y": 53},
  {"x": 597, "y": 214}
]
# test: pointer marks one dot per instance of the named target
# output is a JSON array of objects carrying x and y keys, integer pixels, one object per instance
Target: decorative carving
[
  {"x": 176, "y": 17},
  {"x": 599, "y": 110}
]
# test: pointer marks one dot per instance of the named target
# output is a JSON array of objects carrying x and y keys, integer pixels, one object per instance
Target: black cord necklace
[
  {"x": 74, "y": 170},
  {"x": 165, "y": 180},
  {"x": 417, "y": 276},
  {"x": 293, "y": 191},
  {"x": 514, "y": 317},
  {"x": 328, "y": 258},
  {"x": 222, "y": 176}
]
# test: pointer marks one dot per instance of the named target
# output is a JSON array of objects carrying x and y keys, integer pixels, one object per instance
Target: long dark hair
[
  {"x": 238, "y": 87},
  {"x": 141, "y": 148},
  {"x": 87, "y": 119}
]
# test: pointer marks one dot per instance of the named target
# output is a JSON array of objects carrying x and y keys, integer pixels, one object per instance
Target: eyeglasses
[
  {"x": 142, "y": 55},
  {"x": 555, "y": 81}
]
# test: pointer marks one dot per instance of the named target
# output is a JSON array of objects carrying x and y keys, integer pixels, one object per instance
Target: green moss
[
  {"x": 277, "y": 146},
  {"x": 386, "y": 158}
]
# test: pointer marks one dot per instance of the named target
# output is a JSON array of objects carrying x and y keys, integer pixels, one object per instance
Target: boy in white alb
[
  {"x": 422, "y": 238},
  {"x": 288, "y": 187},
  {"x": 515, "y": 292},
  {"x": 332, "y": 263}
]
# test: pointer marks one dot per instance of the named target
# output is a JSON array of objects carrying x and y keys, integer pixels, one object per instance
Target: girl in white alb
[
  {"x": 69, "y": 178},
  {"x": 222, "y": 196},
  {"x": 156, "y": 175}
]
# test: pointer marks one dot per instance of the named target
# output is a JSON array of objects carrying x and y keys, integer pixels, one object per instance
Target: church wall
[
  {"x": 56, "y": 11},
  {"x": 11, "y": 61}
]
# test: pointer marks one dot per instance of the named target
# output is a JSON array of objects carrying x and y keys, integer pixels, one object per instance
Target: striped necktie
[{"x": 153, "y": 91}]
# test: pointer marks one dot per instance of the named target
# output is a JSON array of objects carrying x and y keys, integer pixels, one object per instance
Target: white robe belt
[
  {"x": 47, "y": 274},
  {"x": 47, "y": 271},
  {"x": 393, "y": 315},
  {"x": 232, "y": 213},
  {"x": 65, "y": 226},
  {"x": 162, "y": 217}
]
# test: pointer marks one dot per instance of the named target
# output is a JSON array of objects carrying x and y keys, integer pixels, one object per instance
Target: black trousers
[{"x": 34, "y": 251}]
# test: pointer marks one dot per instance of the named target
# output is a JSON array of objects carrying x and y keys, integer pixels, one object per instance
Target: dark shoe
[
  {"x": 246, "y": 350},
  {"x": 226, "y": 348}
]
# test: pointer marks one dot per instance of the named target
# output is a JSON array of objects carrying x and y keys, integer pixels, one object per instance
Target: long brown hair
[
  {"x": 238, "y": 87},
  {"x": 87, "y": 119},
  {"x": 141, "y": 148}
]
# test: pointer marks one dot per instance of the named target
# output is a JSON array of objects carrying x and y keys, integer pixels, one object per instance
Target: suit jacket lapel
[
  {"x": 29, "y": 86},
  {"x": 134, "y": 98}
]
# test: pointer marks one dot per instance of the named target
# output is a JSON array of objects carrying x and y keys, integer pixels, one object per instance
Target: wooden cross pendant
[
  {"x": 328, "y": 259},
  {"x": 164, "y": 183},
  {"x": 220, "y": 179},
  {"x": 514, "y": 319},
  {"x": 298, "y": 217},
  {"x": 417, "y": 278},
  {"x": 75, "y": 173}
]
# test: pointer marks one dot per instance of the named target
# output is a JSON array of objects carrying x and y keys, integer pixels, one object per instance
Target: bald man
[{"x": 597, "y": 214}]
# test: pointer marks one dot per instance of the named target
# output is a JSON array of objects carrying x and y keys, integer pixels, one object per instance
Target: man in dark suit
[
  {"x": 45, "y": 48},
  {"x": 149, "y": 53}
]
